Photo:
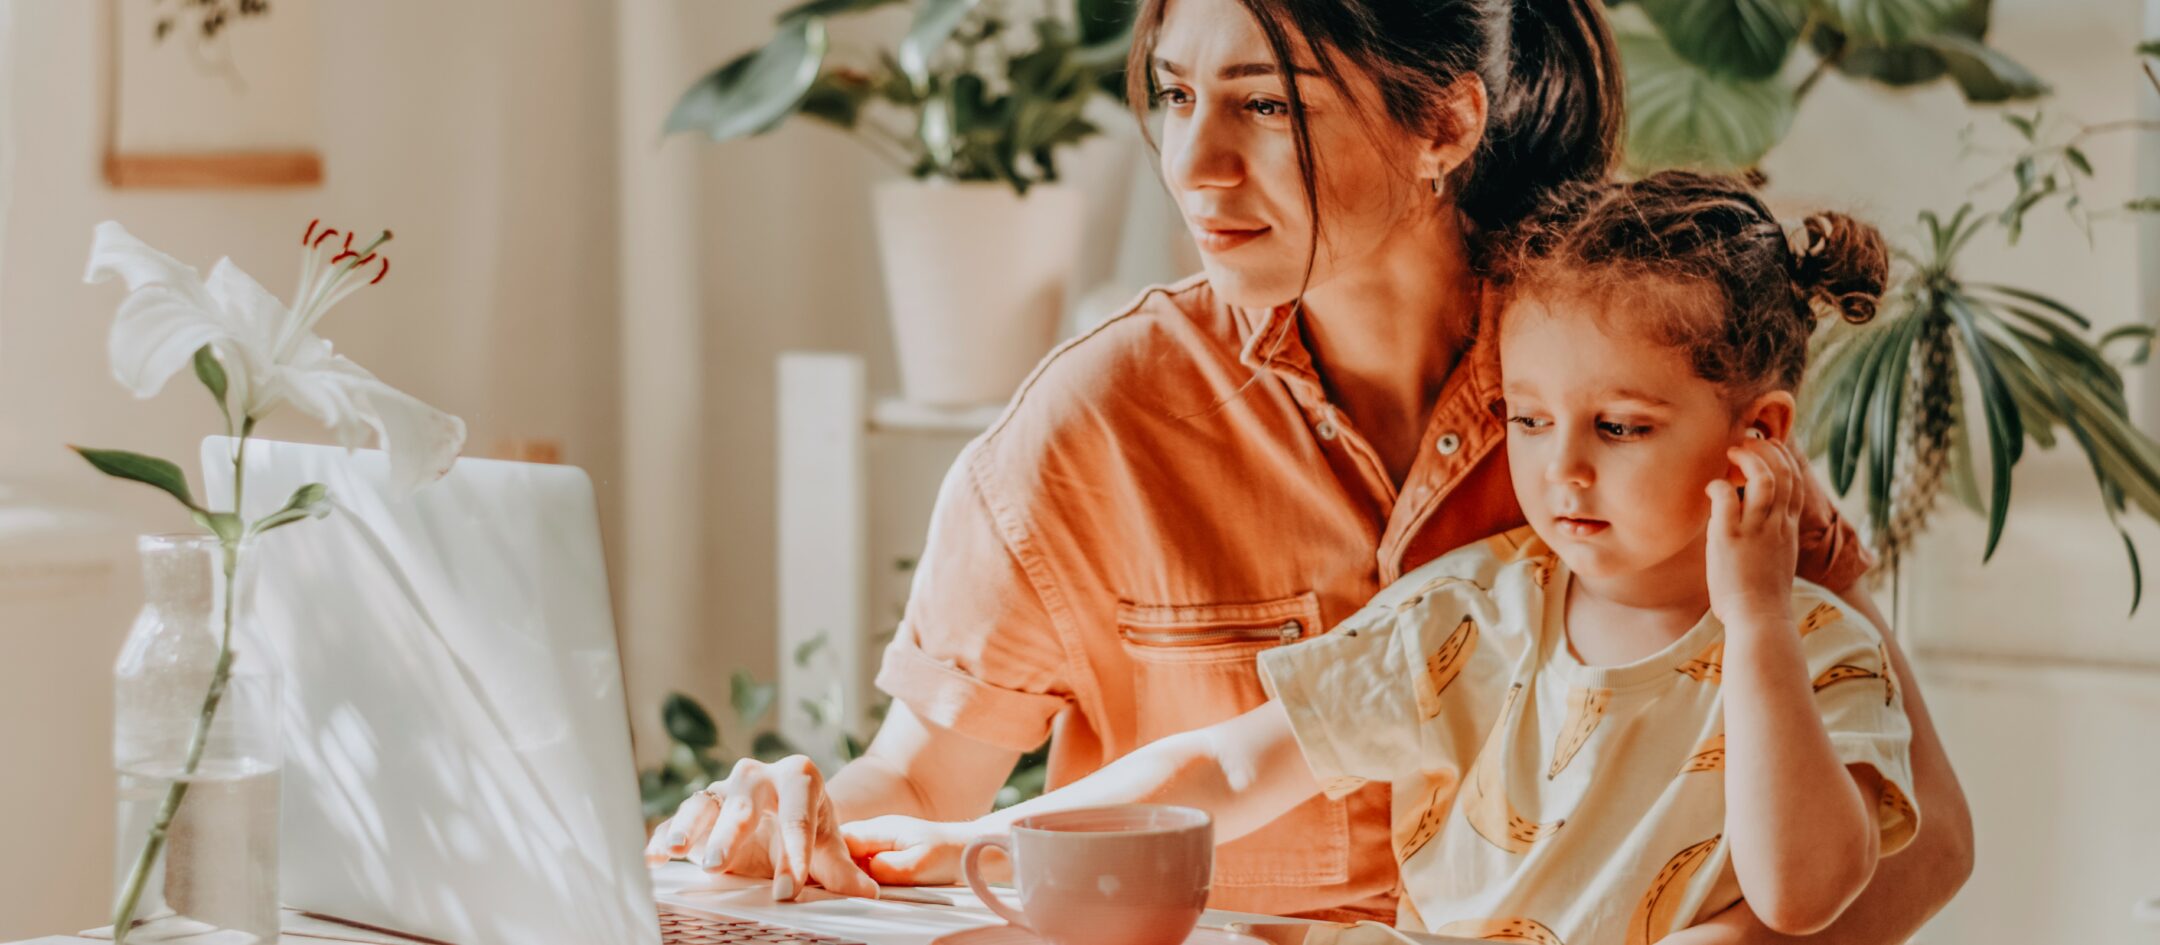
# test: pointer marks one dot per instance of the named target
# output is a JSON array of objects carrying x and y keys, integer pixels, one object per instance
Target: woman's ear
[
  {"x": 1771, "y": 415},
  {"x": 1459, "y": 130}
]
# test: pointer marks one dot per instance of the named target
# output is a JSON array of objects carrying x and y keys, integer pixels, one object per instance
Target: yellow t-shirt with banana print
[{"x": 1538, "y": 799}]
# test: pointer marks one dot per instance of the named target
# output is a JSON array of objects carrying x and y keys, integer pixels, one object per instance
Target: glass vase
[{"x": 196, "y": 750}]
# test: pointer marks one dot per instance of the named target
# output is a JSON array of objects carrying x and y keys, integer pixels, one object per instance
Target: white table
[{"x": 679, "y": 883}]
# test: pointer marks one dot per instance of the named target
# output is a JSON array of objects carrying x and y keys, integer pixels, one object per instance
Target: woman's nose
[{"x": 1200, "y": 153}]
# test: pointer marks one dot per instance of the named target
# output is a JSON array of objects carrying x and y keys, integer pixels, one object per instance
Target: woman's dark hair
[
  {"x": 1550, "y": 69},
  {"x": 1748, "y": 294}
]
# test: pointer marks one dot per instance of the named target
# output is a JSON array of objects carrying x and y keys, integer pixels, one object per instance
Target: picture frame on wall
[{"x": 212, "y": 94}]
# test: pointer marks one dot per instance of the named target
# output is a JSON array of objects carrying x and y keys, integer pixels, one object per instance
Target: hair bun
[{"x": 1840, "y": 263}]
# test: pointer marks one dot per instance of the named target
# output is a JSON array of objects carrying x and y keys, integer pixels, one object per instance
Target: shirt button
[
  {"x": 1421, "y": 493},
  {"x": 1326, "y": 429},
  {"x": 1448, "y": 444}
]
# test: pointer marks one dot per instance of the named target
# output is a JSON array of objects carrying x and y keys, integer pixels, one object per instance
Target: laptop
[{"x": 458, "y": 765}]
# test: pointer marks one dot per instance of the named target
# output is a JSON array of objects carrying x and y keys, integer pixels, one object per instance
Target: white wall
[
  {"x": 480, "y": 131},
  {"x": 2055, "y": 758}
]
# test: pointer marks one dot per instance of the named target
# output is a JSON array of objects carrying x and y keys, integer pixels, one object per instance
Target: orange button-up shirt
[{"x": 1168, "y": 495}]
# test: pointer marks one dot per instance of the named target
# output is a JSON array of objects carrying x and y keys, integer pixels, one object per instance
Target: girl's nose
[{"x": 1570, "y": 465}]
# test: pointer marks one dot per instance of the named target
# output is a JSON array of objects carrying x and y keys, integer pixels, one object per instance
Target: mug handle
[{"x": 968, "y": 869}]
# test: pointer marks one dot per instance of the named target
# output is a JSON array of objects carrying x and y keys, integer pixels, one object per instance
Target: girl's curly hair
[{"x": 1641, "y": 240}]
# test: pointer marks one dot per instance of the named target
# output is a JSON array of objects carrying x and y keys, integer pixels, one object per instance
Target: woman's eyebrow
[{"x": 1242, "y": 70}]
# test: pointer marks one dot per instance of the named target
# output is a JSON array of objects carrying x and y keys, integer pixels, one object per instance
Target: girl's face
[
  {"x": 1612, "y": 438},
  {"x": 1230, "y": 158}
]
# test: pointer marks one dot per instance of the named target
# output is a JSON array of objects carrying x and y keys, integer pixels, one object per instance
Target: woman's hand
[
  {"x": 764, "y": 820},
  {"x": 906, "y": 851},
  {"x": 1754, "y": 541}
]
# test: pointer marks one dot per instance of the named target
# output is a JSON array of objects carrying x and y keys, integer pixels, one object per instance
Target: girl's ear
[
  {"x": 1770, "y": 415},
  {"x": 1459, "y": 131}
]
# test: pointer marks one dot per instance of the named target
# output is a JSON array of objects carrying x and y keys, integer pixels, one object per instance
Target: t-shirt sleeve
[
  {"x": 976, "y": 651},
  {"x": 1353, "y": 721},
  {"x": 1863, "y": 709},
  {"x": 1359, "y": 697}
]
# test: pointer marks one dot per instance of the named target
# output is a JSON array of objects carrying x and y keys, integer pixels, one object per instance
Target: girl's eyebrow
[{"x": 1639, "y": 397}]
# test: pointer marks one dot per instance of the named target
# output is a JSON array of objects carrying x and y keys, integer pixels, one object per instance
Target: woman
[{"x": 1243, "y": 458}]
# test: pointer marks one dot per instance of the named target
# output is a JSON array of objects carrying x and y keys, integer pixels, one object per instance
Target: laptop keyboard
[{"x": 679, "y": 928}]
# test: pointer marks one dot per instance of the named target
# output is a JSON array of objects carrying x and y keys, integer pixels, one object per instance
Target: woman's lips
[
  {"x": 1222, "y": 241},
  {"x": 1581, "y": 527}
]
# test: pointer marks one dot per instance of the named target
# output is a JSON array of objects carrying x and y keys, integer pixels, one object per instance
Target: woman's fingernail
[
  {"x": 678, "y": 838},
  {"x": 783, "y": 886}
]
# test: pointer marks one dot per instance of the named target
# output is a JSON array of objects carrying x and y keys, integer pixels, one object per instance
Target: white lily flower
[{"x": 269, "y": 351}]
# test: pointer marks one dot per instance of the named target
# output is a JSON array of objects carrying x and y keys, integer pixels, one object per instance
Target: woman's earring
[{"x": 1437, "y": 191}]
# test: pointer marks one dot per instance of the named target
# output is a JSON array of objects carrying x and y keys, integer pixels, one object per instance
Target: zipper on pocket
[{"x": 1286, "y": 632}]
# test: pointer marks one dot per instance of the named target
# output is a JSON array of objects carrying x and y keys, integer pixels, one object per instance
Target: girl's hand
[
  {"x": 1755, "y": 533},
  {"x": 897, "y": 850}
]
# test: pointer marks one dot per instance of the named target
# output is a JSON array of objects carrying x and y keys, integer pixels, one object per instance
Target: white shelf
[{"x": 894, "y": 415}]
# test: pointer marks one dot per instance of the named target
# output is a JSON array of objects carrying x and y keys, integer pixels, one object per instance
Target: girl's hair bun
[{"x": 1841, "y": 264}]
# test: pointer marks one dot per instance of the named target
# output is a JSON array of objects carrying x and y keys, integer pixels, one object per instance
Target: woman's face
[{"x": 1230, "y": 158}]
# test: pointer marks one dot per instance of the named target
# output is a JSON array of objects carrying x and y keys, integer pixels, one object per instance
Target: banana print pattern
[
  {"x": 1708, "y": 756},
  {"x": 1889, "y": 674},
  {"x": 1585, "y": 709},
  {"x": 1484, "y": 798},
  {"x": 1709, "y": 665},
  {"x": 1660, "y": 907},
  {"x": 1524, "y": 931},
  {"x": 1437, "y": 803},
  {"x": 1843, "y": 672},
  {"x": 1822, "y": 616},
  {"x": 1445, "y": 664}
]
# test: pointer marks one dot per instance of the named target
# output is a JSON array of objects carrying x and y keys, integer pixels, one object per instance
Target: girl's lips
[
  {"x": 1220, "y": 241},
  {"x": 1581, "y": 527}
]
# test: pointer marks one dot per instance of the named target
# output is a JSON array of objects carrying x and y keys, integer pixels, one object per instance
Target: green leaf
[
  {"x": 1983, "y": 73},
  {"x": 837, "y": 98},
  {"x": 2078, "y": 160},
  {"x": 1680, "y": 115},
  {"x": 1104, "y": 22},
  {"x": 688, "y": 722},
  {"x": 225, "y": 525},
  {"x": 2037, "y": 299},
  {"x": 934, "y": 24},
  {"x": 1748, "y": 39},
  {"x": 1887, "y": 21},
  {"x": 2006, "y": 435},
  {"x": 145, "y": 469},
  {"x": 308, "y": 501},
  {"x": 751, "y": 699},
  {"x": 2141, "y": 341},
  {"x": 2150, "y": 47},
  {"x": 2025, "y": 126},
  {"x": 808, "y": 649},
  {"x": 772, "y": 746},
  {"x": 211, "y": 373},
  {"x": 821, "y": 8},
  {"x": 756, "y": 91}
]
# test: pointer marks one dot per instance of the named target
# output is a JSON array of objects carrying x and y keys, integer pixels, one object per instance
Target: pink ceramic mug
[{"x": 1134, "y": 874}]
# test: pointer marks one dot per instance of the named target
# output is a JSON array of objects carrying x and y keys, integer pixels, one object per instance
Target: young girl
[{"x": 1591, "y": 736}]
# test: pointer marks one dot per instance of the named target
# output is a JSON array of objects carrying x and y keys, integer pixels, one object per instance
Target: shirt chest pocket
[{"x": 1195, "y": 665}]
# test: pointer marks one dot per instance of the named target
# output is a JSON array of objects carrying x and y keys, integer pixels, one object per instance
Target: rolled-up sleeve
[{"x": 976, "y": 651}]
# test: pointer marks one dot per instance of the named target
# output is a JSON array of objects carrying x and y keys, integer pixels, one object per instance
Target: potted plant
[
  {"x": 975, "y": 103},
  {"x": 1708, "y": 79}
]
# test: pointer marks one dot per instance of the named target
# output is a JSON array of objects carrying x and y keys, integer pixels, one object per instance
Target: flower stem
[{"x": 154, "y": 844}]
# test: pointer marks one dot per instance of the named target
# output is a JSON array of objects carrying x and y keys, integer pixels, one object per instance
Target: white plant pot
[{"x": 977, "y": 278}]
